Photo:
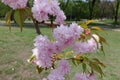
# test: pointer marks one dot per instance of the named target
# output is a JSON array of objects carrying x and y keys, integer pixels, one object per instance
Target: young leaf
[
  {"x": 101, "y": 39},
  {"x": 84, "y": 67},
  {"x": 39, "y": 69},
  {"x": 96, "y": 28},
  {"x": 102, "y": 48},
  {"x": 89, "y": 21},
  {"x": 78, "y": 62},
  {"x": 68, "y": 53},
  {"x": 31, "y": 58},
  {"x": 60, "y": 55},
  {"x": 8, "y": 18},
  {"x": 98, "y": 62},
  {"x": 96, "y": 40},
  {"x": 20, "y": 17},
  {"x": 96, "y": 67},
  {"x": 84, "y": 24},
  {"x": 73, "y": 61},
  {"x": 28, "y": 12}
]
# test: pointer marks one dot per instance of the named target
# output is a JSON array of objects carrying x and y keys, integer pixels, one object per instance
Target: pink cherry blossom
[
  {"x": 55, "y": 75},
  {"x": 41, "y": 41},
  {"x": 40, "y": 10},
  {"x": 88, "y": 46},
  {"x": 67, "y": 35},
  {"x": 42, "y": 59},
  {"x": 54, "y": 7},
  {"x": 84, "y": 76},
  {"x": 57, "y": 47},
  {"x": 62, "y": 35},
  {"x": 63, "y": 67},
  {"x": 76, "y": 30},
  {"x": 16, "y": 4},
  {"x": 59, "y": 73},
  {"x": 60, "y": 17},
  {"x": 43, "y": 8},
  {"x": 43, "y": 51}
]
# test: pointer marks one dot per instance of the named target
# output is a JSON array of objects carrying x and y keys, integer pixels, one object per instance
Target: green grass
[
  {"x": 16, "y": 46},
  {"x": 112, "y": 59}
]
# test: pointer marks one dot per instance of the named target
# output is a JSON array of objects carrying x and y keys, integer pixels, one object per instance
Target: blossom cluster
[
  {"x": 16, "y": 4},
  {"x": 43, "y": 51},
  {"x": 64, "y": 37},
  {"x": 43, "y": 8},
  {"x": 82, "y": 47},
  {"x": 59, "y": 73},
  {"x": 67, "y": 36}
]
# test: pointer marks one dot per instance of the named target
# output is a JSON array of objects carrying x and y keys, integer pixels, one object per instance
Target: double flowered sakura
[
  {"x": 43, "y": 8},
  {"x": 59, "y": 73},
  {"x": 78, "y": 40},
  {"x": 64, "y": 37}
]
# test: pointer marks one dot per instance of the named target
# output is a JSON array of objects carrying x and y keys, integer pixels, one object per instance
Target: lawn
[{"x": 16, "y": 46}]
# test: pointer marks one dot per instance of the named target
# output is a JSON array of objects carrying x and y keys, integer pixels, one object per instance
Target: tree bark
[
  {"x": 91, "y": 8},
  {"x": 116, "y": 10},
  {"x": 37, "y": 28}
]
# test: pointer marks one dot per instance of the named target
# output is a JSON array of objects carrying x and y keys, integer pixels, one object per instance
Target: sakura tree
[{"x": 71, "y": 43}]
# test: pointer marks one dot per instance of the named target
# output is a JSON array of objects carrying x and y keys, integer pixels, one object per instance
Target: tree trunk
[
  {"x": 37, "y": 28},
  {"x": 65, "y": 7},
  {"x": 116, "y": 10},
  {"x": 91, "y": 7}
]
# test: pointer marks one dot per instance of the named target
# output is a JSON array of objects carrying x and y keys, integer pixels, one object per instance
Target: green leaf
[
  {"x": 28, "y": 12},
  {"x": 73, "y": 61},
  {"x": 39, "y": 69},
  {"x": 8, "y": 18},
  {"x": 20, "y": 17},
  {"x": 78, "y": 62},
  {"x": 98, "y": 62},
  {"x": 102, "y": 39},
  {"x": 102, "y": 48},
  {"x": 96, "y": 67},
  {"x": 84, "y": 67}
]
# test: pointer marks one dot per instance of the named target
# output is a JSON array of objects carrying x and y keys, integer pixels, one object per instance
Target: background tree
[
  {"x": 117, "y": 4},
  {"x": 105, "y": 9},
  {"x": 76, "y": 10},
  {"x": 91, "y": 4},
  {"x": 3, "y": 9},
  {"x": 83, "y": 9}
]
